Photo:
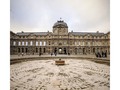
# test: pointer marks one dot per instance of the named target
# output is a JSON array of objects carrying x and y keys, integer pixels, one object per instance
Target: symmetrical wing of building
[{"x": 59, "y": 41}]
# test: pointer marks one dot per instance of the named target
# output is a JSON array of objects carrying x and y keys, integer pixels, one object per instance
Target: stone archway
[
  {"x": 65, "y": 52},
  {"x": 75, "y": 50},
  {"x": 83, "y": 50},
  {"x": 93, "y": 50},
  {"x": 55, "y": 50},
  {"x": 60, "y": 50}
]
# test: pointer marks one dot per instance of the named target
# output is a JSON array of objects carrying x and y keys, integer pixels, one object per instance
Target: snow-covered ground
[{"x": 45, "y": 75}]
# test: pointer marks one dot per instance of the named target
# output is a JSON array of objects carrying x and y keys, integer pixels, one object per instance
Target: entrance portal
[{"x": 60, "y": 50}]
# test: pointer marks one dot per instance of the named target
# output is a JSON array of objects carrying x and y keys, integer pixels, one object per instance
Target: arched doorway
[
  {"x": 18, "y": 50},
  {"x": 55, "y": 50},
  {"x": 83, "y": 50},
  {"x": 26, "y": 50},
  {"x": 65, "y": 51},
  {"x": 40, "y": 51},
  {"x": 60, "y": 50},
  {"x": 22, "y": 50},
  {"x": 93, "y": 50},
  {"x": 44, "y": 50}
]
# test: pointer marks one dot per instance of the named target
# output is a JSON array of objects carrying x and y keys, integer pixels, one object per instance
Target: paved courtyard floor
[{"x": 74, "y": 75}]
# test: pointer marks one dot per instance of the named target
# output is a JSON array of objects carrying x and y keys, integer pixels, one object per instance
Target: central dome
[{"x": 60, "y": 24}]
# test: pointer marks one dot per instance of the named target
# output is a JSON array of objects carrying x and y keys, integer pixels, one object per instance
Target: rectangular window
[
  {"x": 49, "y": 42},
  {"x": 83, "y": 43},
  {"x": 44, "y": 43},
  {"x": 14, "y": 43},
  {"x": 75, "y": 43},
  {"x": 36, "y": 43},
  {"x": 19, "y": 43},
  {"x": 88, "y": 43},
  {"x": 31, "y": 43},
  {"x": 26, "y": 43},
  {"x": 40, "y": 43},
  {"x": 22, "y": 43}
]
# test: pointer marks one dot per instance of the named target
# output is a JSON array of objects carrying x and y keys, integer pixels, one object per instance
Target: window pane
[
  {"x": 19, "y": 43},
  {"x": 26, "y": 43},
  {"x": 31, "y": 43},
  {"x": 37, "y": 43},
  {"x": 22, "y": 43},
  {"x": 40, "y": 43},
  {"x": 14, "y": 43},
  {"x": 44, "y": 43}
]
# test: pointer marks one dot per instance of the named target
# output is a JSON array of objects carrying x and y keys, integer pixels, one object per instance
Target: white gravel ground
[{"x": 45, "y": 75}]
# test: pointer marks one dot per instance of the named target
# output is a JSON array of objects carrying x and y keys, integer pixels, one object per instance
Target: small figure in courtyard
[
  {"x": 55, "y": 54},
  {"x": 68, "y": 53}
]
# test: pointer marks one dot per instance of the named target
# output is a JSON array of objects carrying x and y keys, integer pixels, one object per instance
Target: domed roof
[{"x": 60, "y": 24}]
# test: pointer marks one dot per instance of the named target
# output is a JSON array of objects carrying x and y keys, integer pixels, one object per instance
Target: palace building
[{"x": 59, "y": 41}]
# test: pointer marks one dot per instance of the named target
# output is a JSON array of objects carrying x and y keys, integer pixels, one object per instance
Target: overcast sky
[{"x": 40, "y": 15}]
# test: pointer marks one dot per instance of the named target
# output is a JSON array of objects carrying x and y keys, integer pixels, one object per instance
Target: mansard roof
[
  {"x": 86, "y": 33},
  {"x": 73, "y": 33},
  {"x": 28, "y": 33}
]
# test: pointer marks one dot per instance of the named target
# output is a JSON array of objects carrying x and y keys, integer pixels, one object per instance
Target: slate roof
[
  {"x": 28, "y": 33},
  {"x": 58, "y": 23},
  {"x": 86, "y": 33},
  {"x": 73, "y": 33}
]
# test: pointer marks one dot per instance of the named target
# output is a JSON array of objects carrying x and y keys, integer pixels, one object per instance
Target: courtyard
[{"x": 76, "y": 74}]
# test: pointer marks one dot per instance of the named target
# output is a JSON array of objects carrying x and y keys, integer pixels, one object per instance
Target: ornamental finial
[{"x": 60, "y": 18}]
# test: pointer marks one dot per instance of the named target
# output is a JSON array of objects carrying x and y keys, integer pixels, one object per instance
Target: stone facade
[{"x": 60, "y": 41}]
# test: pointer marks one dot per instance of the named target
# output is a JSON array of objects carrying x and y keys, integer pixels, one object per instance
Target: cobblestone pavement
[{"x": 45, "y": 75}]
